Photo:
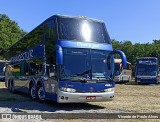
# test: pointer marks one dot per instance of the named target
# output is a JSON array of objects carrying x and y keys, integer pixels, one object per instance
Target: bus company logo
[
  {"x": 23, "y": 56},
  {"x": 91, "y": 89},
  {"x": 21, "y": 116}
]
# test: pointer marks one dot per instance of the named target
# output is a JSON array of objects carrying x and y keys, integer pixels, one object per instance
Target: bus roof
[
  {"x": 117, "y": 60},
  {"x": 147, "y": 58},
  {"x": 120, "y": 61},
  {"x": 57, "y": 16},
  {"x": 79, "y": 17}
]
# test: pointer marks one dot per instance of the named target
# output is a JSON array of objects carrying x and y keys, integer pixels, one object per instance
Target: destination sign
[{"x": 151, "y": 62}]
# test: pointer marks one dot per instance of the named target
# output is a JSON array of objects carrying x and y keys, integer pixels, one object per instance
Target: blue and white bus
[
  {"x": 122, "y": 74},
  {"x": 147, "y": 70},
  {"x": 64, "y": 59}
]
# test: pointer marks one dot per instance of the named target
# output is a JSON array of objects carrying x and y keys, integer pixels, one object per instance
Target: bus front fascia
[
  {"x": 59, "y": 54},
  {"x": 123, "y": 57}
]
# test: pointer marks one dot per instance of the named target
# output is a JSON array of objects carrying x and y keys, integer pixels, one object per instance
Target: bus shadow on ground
[{"x": 21, "y": 102}]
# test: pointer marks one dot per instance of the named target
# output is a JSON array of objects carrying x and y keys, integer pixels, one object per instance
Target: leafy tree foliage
[
  {"x": 134, "y": 51},
  {"x": 10, "y": 33}
]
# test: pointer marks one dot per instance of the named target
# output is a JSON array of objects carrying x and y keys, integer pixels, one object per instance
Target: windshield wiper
[
  {"x": 75, "y": 78},
  {"x": 109, "y": 78}
]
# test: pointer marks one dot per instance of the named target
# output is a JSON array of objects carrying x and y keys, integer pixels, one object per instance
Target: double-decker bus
[
  {"x": 64, "y": 59},
  {"x": 147, "y": 69},
  {"x": 122, "y": 74}
]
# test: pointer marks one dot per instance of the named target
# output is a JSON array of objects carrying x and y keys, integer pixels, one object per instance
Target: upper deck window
[{"x": 82, "y": 29}]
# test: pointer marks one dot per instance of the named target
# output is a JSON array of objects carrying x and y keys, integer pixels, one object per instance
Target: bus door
[{"x": 52, "y": 83}]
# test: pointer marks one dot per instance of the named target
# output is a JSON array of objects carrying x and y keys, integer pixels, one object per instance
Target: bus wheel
[
  {"x": 32, "y": 92},
  {"x": 40, "y": 93},
  {"x": 11, "y": 87}
]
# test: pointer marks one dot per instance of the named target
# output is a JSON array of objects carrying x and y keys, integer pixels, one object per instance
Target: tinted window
[{"x": 81, "y": 29}]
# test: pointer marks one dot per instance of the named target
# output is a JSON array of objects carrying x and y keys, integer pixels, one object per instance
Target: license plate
[{"x": 90, "y": 97}]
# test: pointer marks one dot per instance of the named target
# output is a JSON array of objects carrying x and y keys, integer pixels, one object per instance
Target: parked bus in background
[
  {"x": 147, "y": 70},
  {"x": 122, "y": 74},
  {"x": 64, "y": 59},
  {"x": 2, "y": 69}
]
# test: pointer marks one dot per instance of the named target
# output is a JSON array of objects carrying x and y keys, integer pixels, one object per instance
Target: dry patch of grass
[
  {"x": 129, "y": 98},
  {"x": 2, "y": 85},
  {"x": 135, "y": 98}
]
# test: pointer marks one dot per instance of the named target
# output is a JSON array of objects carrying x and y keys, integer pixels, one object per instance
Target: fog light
[{"x": 62, "y": 97}]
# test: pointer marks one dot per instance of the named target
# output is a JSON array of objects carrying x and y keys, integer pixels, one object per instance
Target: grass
[
  {"x": 2, "y": 84},
  {"x": 129, "y": 98},
  {"x": 135, "y": 98}
]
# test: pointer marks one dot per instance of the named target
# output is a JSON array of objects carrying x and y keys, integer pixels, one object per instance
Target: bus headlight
[
  {"x": 67, "y": 89},
  {"x": 109, "y": 90}
]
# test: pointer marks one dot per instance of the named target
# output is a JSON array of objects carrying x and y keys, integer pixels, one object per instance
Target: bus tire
[
  {"x": 11, "y": 87},
  {"x": 32, "y": 92},
  {"x": 40, "y": 93}
]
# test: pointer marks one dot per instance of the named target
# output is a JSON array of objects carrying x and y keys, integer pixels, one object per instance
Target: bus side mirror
[
  {"x": 123, "y": 57},
  {"x": 109, "y": 62},
  {"x": 59, "y": 54},
  {"x": 52, "y": 71},
  {"x": 4, "y": 69}
]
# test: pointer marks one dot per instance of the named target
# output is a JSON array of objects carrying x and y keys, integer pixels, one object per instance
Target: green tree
[{"x": 10, "y": 33}]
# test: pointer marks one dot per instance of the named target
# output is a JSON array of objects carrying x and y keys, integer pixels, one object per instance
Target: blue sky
[{"x": 134, "y": 20}]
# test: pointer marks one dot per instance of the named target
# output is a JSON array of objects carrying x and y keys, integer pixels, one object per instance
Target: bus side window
[
  {"x": 16, "y": 70},
  {"x": 38, "y": 69},
  {"x": 32, "y": 68},
  {"x": 52, "y": 71},
  {"x": 26, "y": 69}
]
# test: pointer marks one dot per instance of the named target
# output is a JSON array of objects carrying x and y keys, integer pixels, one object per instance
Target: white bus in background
[{"x": 121, "y": 74}]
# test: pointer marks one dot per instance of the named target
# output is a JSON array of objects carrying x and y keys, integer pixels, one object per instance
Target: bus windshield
[
  {"x": 85, "y": 64},
  {"x": 147, "y": 70},
  {"x": 83, "y": 30}
]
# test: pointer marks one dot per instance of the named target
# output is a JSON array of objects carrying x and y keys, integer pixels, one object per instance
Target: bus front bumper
[
  {"x": 146, "y": 80},
  {"x": 67, "y": 97}
]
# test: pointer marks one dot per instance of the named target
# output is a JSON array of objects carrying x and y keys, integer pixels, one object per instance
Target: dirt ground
[
  {"x": 129, "y": 98},
  {"x": 135, "y": 98}
]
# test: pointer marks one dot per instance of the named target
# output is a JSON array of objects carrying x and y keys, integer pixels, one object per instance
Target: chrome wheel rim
[
  {"x": 33, "y": 92},
  {"x": 41, "y": 94}
]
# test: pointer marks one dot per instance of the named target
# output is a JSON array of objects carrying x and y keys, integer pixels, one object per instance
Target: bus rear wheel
[
  {"x": 32, "y": 92},
  {"x": 40, "y": 93}
]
